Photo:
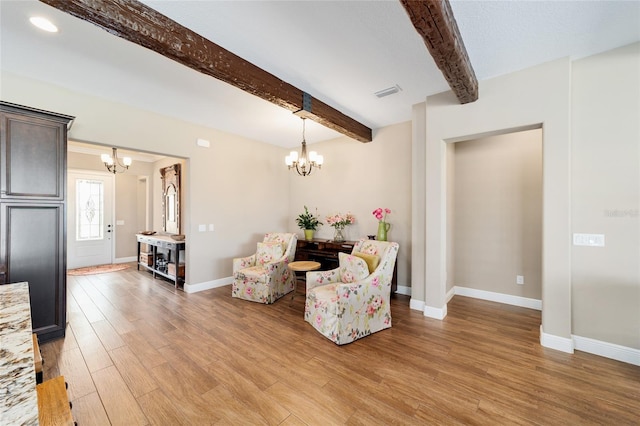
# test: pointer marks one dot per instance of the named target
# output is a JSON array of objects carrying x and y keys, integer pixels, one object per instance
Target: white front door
[{"x": 90, "y": 230}]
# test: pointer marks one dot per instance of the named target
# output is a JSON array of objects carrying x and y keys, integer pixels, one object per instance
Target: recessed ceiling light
[{"x": 43, "y": 24}]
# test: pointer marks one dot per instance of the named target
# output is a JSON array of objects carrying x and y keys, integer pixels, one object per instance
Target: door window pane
[{"x": 89, "y": 210}]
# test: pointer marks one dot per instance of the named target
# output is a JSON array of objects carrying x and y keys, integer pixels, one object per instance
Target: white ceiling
[{"x": 340, "y": 52}]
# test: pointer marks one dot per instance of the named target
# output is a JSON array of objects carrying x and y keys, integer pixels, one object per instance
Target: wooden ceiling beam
[
  {"x": 142, "y": 25},
  {"x": 434, "y": 21}
]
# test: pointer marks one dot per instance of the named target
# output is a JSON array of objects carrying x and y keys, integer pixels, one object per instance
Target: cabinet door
[
  {"x": 32, "y": 249},
  {"x": 33, "y": 157}
]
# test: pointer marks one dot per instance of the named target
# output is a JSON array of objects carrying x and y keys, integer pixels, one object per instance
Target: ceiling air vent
[{"x": 388, "y": 91}]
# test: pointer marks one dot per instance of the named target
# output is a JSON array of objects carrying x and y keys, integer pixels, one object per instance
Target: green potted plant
[{"x": 308, "y": 222}]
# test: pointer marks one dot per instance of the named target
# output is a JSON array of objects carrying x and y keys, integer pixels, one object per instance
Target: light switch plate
[
  {"x": 202, "y": 228},
  {"x": 591, "y": 240}
]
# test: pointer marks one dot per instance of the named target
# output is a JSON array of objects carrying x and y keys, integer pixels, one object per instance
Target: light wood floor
[{"x": 137, "y": 352}]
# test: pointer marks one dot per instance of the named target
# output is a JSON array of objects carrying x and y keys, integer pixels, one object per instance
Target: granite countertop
[{"x": 18, "y": 398}]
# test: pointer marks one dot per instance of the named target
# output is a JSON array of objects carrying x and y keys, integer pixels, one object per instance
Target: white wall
[{"x": 605, "y": 196}]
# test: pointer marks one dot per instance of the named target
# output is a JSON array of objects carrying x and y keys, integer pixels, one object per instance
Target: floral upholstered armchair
[
  {"x": 352, "y": 301},
  {"x": 264, "y": 276}
]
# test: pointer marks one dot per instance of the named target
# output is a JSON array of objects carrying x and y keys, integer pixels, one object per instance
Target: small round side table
[{"x": 301, "y": 266}]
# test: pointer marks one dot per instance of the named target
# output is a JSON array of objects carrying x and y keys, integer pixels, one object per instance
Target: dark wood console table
[
  {"x": 326, "y": 252},
  {"x": 170, "y": 266}
]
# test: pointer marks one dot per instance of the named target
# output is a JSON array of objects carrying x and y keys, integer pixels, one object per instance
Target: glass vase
[
  {"x": 339, "y": 234},
  {"x": 383, "y": 228}
]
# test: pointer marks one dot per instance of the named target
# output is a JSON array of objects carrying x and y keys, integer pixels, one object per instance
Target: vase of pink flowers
[
  {"x": 383, "y": 225},
  {"x": 339, "y": 221}
]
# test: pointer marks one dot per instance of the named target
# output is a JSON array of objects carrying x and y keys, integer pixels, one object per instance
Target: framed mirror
[{"x": 171, "y": 199}]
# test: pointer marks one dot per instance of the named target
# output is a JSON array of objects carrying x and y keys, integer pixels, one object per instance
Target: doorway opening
[
  {"x": 135, "y": 201},
  {"x": 494, "y": 218}
]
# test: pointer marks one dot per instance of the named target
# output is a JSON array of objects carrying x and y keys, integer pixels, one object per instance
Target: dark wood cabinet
[
  {"x": 33, "y": 149},
  {"x": 326, "y": 252}
]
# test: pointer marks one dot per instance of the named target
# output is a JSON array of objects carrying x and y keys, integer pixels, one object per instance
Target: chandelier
[
  {"x": 112, "y": 163},
  {"x": 303, "y": 163}
]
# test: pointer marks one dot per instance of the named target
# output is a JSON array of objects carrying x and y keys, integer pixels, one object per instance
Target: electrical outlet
[
  {"x": 520, "y": 279},
  {"x": 211, "y": 228}
]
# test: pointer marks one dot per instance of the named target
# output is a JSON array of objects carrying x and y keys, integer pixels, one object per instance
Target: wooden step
[
  {"x": 37, "y": 358},
  {"x": 53, "y": 403}
]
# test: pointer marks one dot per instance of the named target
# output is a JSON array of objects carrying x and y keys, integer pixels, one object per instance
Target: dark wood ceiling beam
[
  {"x": 434, "y": 21},
  {"x": 138, "y": 23}
]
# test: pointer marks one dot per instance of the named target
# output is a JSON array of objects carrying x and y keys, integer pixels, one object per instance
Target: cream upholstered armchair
[
  {"x": 264, "y": 276},
  {"x": 352, "y": 301}
]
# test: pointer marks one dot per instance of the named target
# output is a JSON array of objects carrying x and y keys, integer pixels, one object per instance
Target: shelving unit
[{"x": 173, "y": 248}]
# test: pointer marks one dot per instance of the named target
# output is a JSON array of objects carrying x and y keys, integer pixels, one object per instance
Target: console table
[
  {"x": 326, "y": 252},
  {"x": 169, "y": 267}
]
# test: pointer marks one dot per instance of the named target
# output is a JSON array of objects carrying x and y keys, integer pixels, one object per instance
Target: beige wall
[
  {"x": 522, "y": 100},
  {"x": 497, "y": 213},
  {"x": 589, "y": 113},
  {"x": 360, "y": 177},
  {"x": 240, "y": 202},
  {"x": 606, "y": 195},
  {"x": 244, "y": 202}
]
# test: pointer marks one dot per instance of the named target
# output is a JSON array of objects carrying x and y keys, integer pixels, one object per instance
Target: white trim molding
[
  {"x": 126, "y": 259},
  {"x": 508, "y": 299},
  {"x": 437, "y": 313},
  {"x": 416, "y": 305},
  {"x": 207, "y": 285},
  {"x": 558, "y": 343},
  {"x": 607, "y": 350},
  {"x": 402, "y": 289},
  {"x": 450, "y": 294}
]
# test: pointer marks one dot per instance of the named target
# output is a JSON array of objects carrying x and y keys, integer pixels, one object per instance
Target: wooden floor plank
[
  {"x": 119, "y": 403},
  {"x": 133, "y": 372},
  {"x": 89, "y": 411},
  {"x": 107, "y": 334},
  {"x": 245, "y": 390},
  {"x": 160, "y": 410},
  {"x": 72, "y": 366},
  {"x": 207, "y": 358}
]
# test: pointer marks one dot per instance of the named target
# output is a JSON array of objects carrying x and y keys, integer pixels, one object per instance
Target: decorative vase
[
  {"x": 308, "y": 234},
  {"x": 338, "y": 236},
  {"x": 383, "y": 228}
]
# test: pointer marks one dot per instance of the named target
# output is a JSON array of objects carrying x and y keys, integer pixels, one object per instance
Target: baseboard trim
[
  {"x": 607, "y": 350},
  {"x": 558, "y": 343},
  {"x": 125, "y": 259},
  {"x": 403, "y": 290},
  {"x": 207, "y": 285},
  {"x": 508, "y": 299},
  {"x": 437, "y": 313},
  {"x": 450, "y": 294},
  {"x": 416, "y": 305}
]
